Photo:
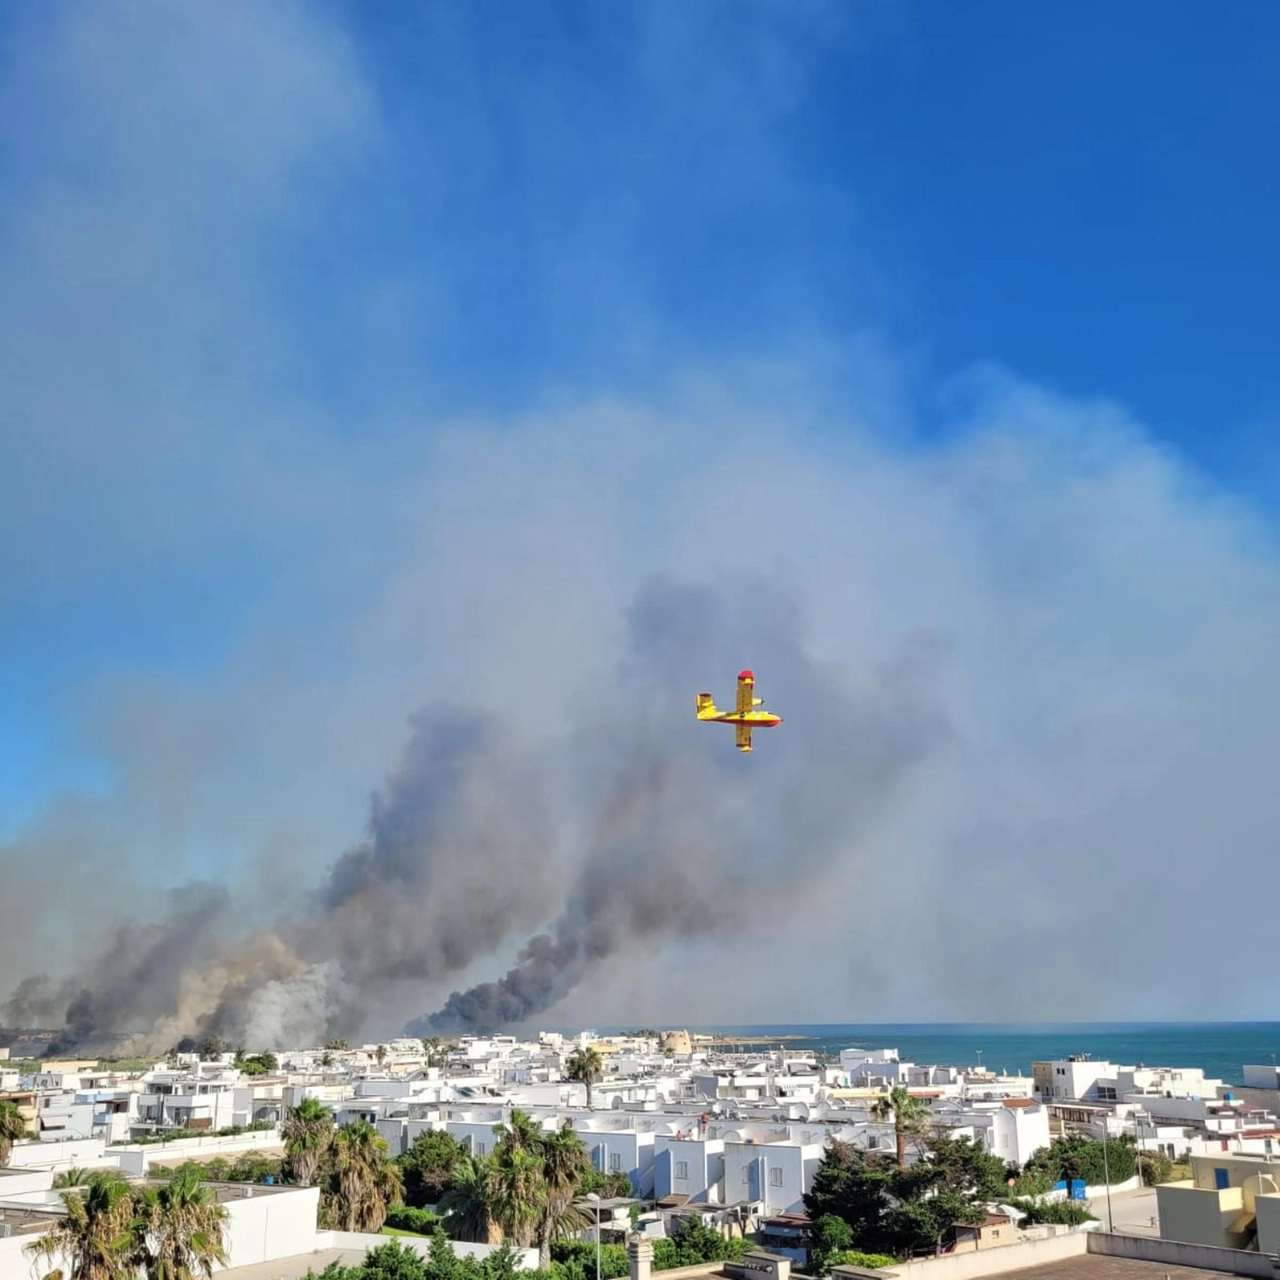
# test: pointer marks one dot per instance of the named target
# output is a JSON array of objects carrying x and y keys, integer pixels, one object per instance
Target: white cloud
[{"x": 1106, "y": 615}]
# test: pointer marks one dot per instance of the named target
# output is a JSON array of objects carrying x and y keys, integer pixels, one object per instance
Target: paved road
[{"x": 1134, "y": 1212}]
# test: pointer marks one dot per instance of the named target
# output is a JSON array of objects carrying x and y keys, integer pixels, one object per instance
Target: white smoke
[{"x": 295, "y": 1011}]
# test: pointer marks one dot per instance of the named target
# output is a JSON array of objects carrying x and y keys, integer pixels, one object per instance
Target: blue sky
[
  {"x": 1081, "y": 193},
  {"x": 349, "y": 348}
]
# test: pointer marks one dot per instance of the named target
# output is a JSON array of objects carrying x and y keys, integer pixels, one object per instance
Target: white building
[
  {"x": 689, "y": 1167},
  {"x": 774, "y": 1174},
  {"x": 620, "y": 1148}
]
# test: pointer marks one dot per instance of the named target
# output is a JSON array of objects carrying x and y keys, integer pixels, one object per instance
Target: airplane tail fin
[{"x": 706, "y": 705}]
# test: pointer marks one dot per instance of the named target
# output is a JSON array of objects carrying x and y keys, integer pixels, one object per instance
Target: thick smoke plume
[
  {"x": 667, "y": 831},
  {"x": 685, "y": 839},
  {"x": 438, "y": 882}
]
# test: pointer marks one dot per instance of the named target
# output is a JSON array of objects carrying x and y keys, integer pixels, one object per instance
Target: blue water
[{"x": 1221, "y": 1048}]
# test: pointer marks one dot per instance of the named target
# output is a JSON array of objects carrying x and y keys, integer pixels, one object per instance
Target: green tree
[
  {"x": 183, "y": 1228},
  {"x": 692, "y": 1243},
  {"x": 502, "y": 1264},
  {"x": 892, "y": 1210},
  {"x": 96, "y": 1234},
  {"x": 564, "y": 1164},
  {"x": 856, "y": 1186},
  {"x": 381, "y": 1054},
  {"x": 831, "y": 1236},
  {"x": 909, "y": 1116},
  {"x": 12, "y": 1129},
  {"x": 73, "y": 1177},
  {"x": 338, "y": 1044},
  {"x": 403, "y": 1217},
  {"x": 1156, "y": 1167},
  {"x": 965, "y": 1166},
  {"x": 517, "y": 1193},
  {"x": 258, "y": 1064},
  {"x": 606, "y": 1185},
  {"x": 428, "y": 1166},
  {"x": 308, "y": 1134},
  {"x": 437, "y": 1054},
  {"x": 212, "y": 1048},
  {"x": 364, "y": 1182},
  {"x": 920, "y": 1225},
  {"x": 585, "y": 1066},
  {"x": 1075, "y": 1156},
  {"x": 443, "y": 1262},
  {"x": 1064, "y": 1212},
  {"x": 392, "y": 1261},
  {"x": 576, "y": 1260},
  {"x": 465, "y": 1204}
]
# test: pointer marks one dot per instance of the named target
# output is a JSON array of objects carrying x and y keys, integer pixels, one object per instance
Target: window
[
  {"x": 682, "y": 1169},
  {"x": 615, "y": 1163},
  {"x": 775, "y": 1177},
  {"x": 481, "y": 1149}
]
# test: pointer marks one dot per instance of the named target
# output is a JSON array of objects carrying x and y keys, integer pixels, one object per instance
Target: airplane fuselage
[
  {"x": 757, "y": 719},
  {"x": 744, "y": 715}
]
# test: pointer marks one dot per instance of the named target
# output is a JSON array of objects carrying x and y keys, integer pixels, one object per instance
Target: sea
[{"x": 1221, "y": 1048}]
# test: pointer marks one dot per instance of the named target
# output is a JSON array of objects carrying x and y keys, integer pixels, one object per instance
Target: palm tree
[
  {"x": 75, "y": 1177},
  {"x": 97, "y": 1236},
  {"x": 465, "y": 1205},
  {"x": 13, "y": 1128},
  {"x": 367, "y": 1181},
  {"x": 908, "y": 1114},
  {"x": 565, "y": 1164},
  {"x": 437, "y": 1055},
  {"x": 381, "y": 1054},
  {"x": 183, "y": 1229},
  {"x": 585, "y": 1066},
  {"x": 308, "y": 1134},
  {"x": 517, "y": 1193},
  {"x": 520, "y": 1133}
]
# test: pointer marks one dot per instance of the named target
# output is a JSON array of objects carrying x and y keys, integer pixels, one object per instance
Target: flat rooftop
[
  {"x": 1096, "y": 1266},
  {"x": 22, "y": 1222}
]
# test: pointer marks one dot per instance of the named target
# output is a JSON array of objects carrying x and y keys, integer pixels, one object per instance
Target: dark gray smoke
[
  {"x": 686, "y": 838},
  {"x": 440, "y": 880},
  {"x": 139, "y": 972},
  {"x": 670, "y": 833}
]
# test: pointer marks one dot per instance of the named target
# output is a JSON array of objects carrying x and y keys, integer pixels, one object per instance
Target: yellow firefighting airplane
[{"x": 743, "y": 715}]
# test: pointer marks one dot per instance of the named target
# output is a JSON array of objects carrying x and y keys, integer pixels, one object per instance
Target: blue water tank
[{"x": 1228, "y": 1095}]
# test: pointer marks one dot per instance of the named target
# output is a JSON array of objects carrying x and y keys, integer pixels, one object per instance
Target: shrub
[
  {"x": 405, "y": 1217},
  {"x": 576, "y": 1260},
  {"x": 1069, "y": 1213},
  {"x": 871, "y": 1261}
]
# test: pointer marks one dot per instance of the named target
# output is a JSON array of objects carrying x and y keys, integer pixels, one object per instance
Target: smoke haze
[{"x": 260, "y": 557}]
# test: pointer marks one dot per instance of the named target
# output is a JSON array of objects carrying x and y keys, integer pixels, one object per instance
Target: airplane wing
[
  {"x": 746, "y": 688},
  {"x": 744, "y": 737}
]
